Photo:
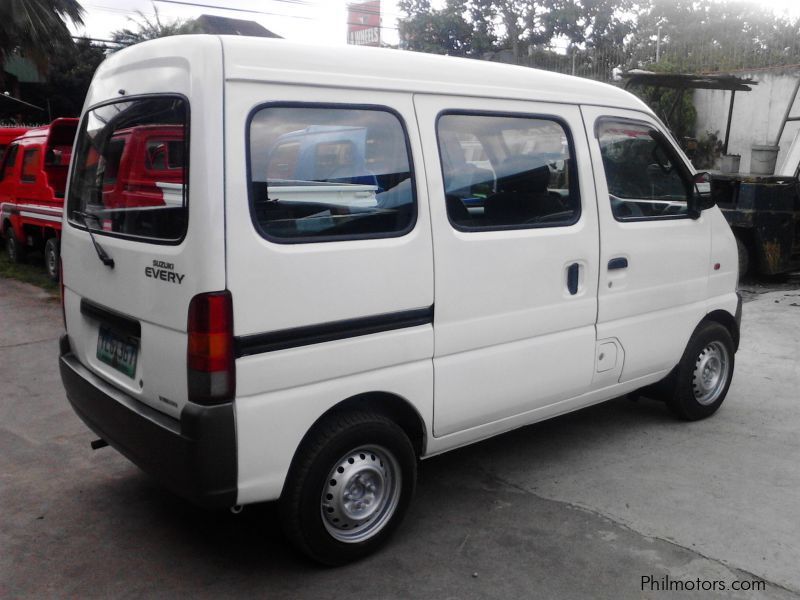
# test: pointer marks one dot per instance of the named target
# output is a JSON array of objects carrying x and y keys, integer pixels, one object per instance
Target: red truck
[
  {"x": 144, "y": 168},
  {"x": 8, "y": 135},
  {"x": 33, "y": 181}
]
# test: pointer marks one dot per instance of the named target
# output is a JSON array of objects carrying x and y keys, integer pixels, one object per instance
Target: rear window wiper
[{"x": 101, "y": 253}]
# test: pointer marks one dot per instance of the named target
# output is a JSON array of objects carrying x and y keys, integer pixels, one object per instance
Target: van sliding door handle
[
  {"x": 618, "y": 263},
  {"x": 572, "y": 278}
]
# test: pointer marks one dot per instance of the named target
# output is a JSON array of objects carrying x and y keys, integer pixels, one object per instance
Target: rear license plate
[{"x": 118, "y": 351}]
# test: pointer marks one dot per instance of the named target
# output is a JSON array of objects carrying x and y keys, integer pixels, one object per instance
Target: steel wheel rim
[
  {"x": 11, "y": 247},
  {"x": 51, "y": 263},
  {"x": 361, "y": 494},
  {"x": 711, "y": 372}
]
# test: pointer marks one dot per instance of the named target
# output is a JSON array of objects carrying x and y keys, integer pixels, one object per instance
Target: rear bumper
[{"x": 194, "y": 456}]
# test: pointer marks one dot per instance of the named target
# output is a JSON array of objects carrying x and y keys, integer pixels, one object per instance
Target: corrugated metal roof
[{"x": 226, "y": 26}]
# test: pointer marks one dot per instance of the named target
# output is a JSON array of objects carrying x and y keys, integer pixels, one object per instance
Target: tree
[
  {"x": 438, "y": 31},
  {"x": 147, "y": 28},
  {"x": 704, "y": 35},
  {"x": 68, "y": 78},
  {"x": 37, "y": 27},
  {"x": 515, "y": 25}
]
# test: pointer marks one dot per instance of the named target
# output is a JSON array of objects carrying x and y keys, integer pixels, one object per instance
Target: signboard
[{"x": 364, "y": 23}]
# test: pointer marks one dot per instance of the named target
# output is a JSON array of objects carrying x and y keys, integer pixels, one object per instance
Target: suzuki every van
[{"x": 370, "y": 257}]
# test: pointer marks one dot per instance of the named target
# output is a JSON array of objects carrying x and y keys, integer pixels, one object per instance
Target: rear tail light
[{"x": 210, "y": 353}]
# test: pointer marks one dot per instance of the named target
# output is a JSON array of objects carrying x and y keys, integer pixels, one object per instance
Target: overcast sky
[{"x": 318, "y": 21}]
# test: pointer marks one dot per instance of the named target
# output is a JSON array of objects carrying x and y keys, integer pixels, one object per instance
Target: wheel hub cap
[
  {"x": 361, "y": 494},
  {"x": 710, "y": 373}
]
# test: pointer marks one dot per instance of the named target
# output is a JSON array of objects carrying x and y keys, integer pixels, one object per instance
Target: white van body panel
[
  {"x": 723, "y": 274},
  {"x": 195, "y": 72}
]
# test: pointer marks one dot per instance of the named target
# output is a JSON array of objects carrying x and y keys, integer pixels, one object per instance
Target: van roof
[{"x": 359, "y": 67}]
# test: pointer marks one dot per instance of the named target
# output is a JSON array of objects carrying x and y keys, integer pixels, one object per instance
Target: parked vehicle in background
[
  {"x": 372, "y": 257},
  {"x": 8, "y": 135},
  {"x": 764, "y": 214},
  {"x": 33, "y": 180}
]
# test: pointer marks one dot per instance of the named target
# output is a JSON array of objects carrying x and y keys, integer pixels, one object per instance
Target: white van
[{"x": 516, "y": 245}]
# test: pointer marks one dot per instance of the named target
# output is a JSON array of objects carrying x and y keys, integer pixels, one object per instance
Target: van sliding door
[{"x": 515, "y": 256}]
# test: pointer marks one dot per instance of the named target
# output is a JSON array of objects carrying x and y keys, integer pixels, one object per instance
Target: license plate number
[{"x": 118, "y": 351}]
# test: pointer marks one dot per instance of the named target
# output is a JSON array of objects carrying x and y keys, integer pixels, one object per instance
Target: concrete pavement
[{"x": 582, "y": 506}]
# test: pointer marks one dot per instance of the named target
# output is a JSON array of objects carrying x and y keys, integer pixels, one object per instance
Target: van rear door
[{"x": 142, "y": 234}]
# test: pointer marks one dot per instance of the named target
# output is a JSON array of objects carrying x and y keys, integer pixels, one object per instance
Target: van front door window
[{"x": 643, "y": 172}]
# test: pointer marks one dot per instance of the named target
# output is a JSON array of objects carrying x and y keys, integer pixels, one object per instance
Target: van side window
[
  {"x": 643, "y": 172},
  {"x": 30, "y": 165},
  {"x": 9, "y": 159},
  {"x": 504, "y": 172},
  {"x": 327, "y": 173}
]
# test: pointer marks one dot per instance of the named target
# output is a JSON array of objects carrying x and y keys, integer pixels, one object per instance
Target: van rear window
[
  {"x": 329, "y": 172},
  {"x": 130, "y": 171}
]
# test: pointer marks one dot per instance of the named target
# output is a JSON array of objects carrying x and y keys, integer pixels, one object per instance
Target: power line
[
  {"x": 260, "y": 12},
  {"x": 222, "y": 8}
]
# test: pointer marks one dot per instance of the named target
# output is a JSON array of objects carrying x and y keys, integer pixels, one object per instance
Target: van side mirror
[{"x": 701, "y": 195}]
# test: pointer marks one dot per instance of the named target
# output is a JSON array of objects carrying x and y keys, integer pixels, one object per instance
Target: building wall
[{"x": 757, "y": 114}]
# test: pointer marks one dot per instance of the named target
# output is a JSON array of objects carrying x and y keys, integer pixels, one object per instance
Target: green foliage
[
  {"x": 708, "y": 35},
  {"x": 37, "y": 28},
  {"x": 68, "y": 77},
  {"x": 439, "y": 31},
  {"x": 31, "y": 271},
  {"x": 709, "y": 150},
  {"x": 680, "y": 117},
  {"x": 522, "y": 27},
  {"x": 146, "y": 28},
  {"x": 603, "y": 35}
]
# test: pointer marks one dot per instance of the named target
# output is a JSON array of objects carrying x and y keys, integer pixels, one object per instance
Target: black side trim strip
[
  {"x": 115, "y": 320},
  {"x": 258, "y": 343}
]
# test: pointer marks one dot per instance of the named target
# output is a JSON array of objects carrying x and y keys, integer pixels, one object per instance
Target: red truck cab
[
  {"x": 33, "y": 181},
  {"x": 144, "y": 167},
  {"x": 8, "y": 135}
]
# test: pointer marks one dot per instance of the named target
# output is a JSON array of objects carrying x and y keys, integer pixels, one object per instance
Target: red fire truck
[{"x": 33, "y": 179}]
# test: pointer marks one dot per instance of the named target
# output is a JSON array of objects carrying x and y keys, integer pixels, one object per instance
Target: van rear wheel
[
  {"x": 702, "y": 378},
  {"x": 16, "y": 252},
  {"x": 349, "y": 487},
  {"x": 51, "y": 259}
]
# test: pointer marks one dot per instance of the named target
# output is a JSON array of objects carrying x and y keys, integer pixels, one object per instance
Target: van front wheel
[
  {"x": 349, "y": 487},
  {"x": 703, "y": 376}
]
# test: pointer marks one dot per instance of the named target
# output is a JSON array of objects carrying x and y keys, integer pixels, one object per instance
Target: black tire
[
  {"x": 51, "y": 259},
  {"x": 355, "y": 440},
  {"x": 694, "y": 390},
  {"x": 15, "y": 250},
  {"x": 744, "y": 258}
]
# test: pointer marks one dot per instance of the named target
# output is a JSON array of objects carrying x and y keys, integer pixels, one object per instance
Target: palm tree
[
  {"x": 151, "y": 28},
  {"x": 36, "y": 27}
]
